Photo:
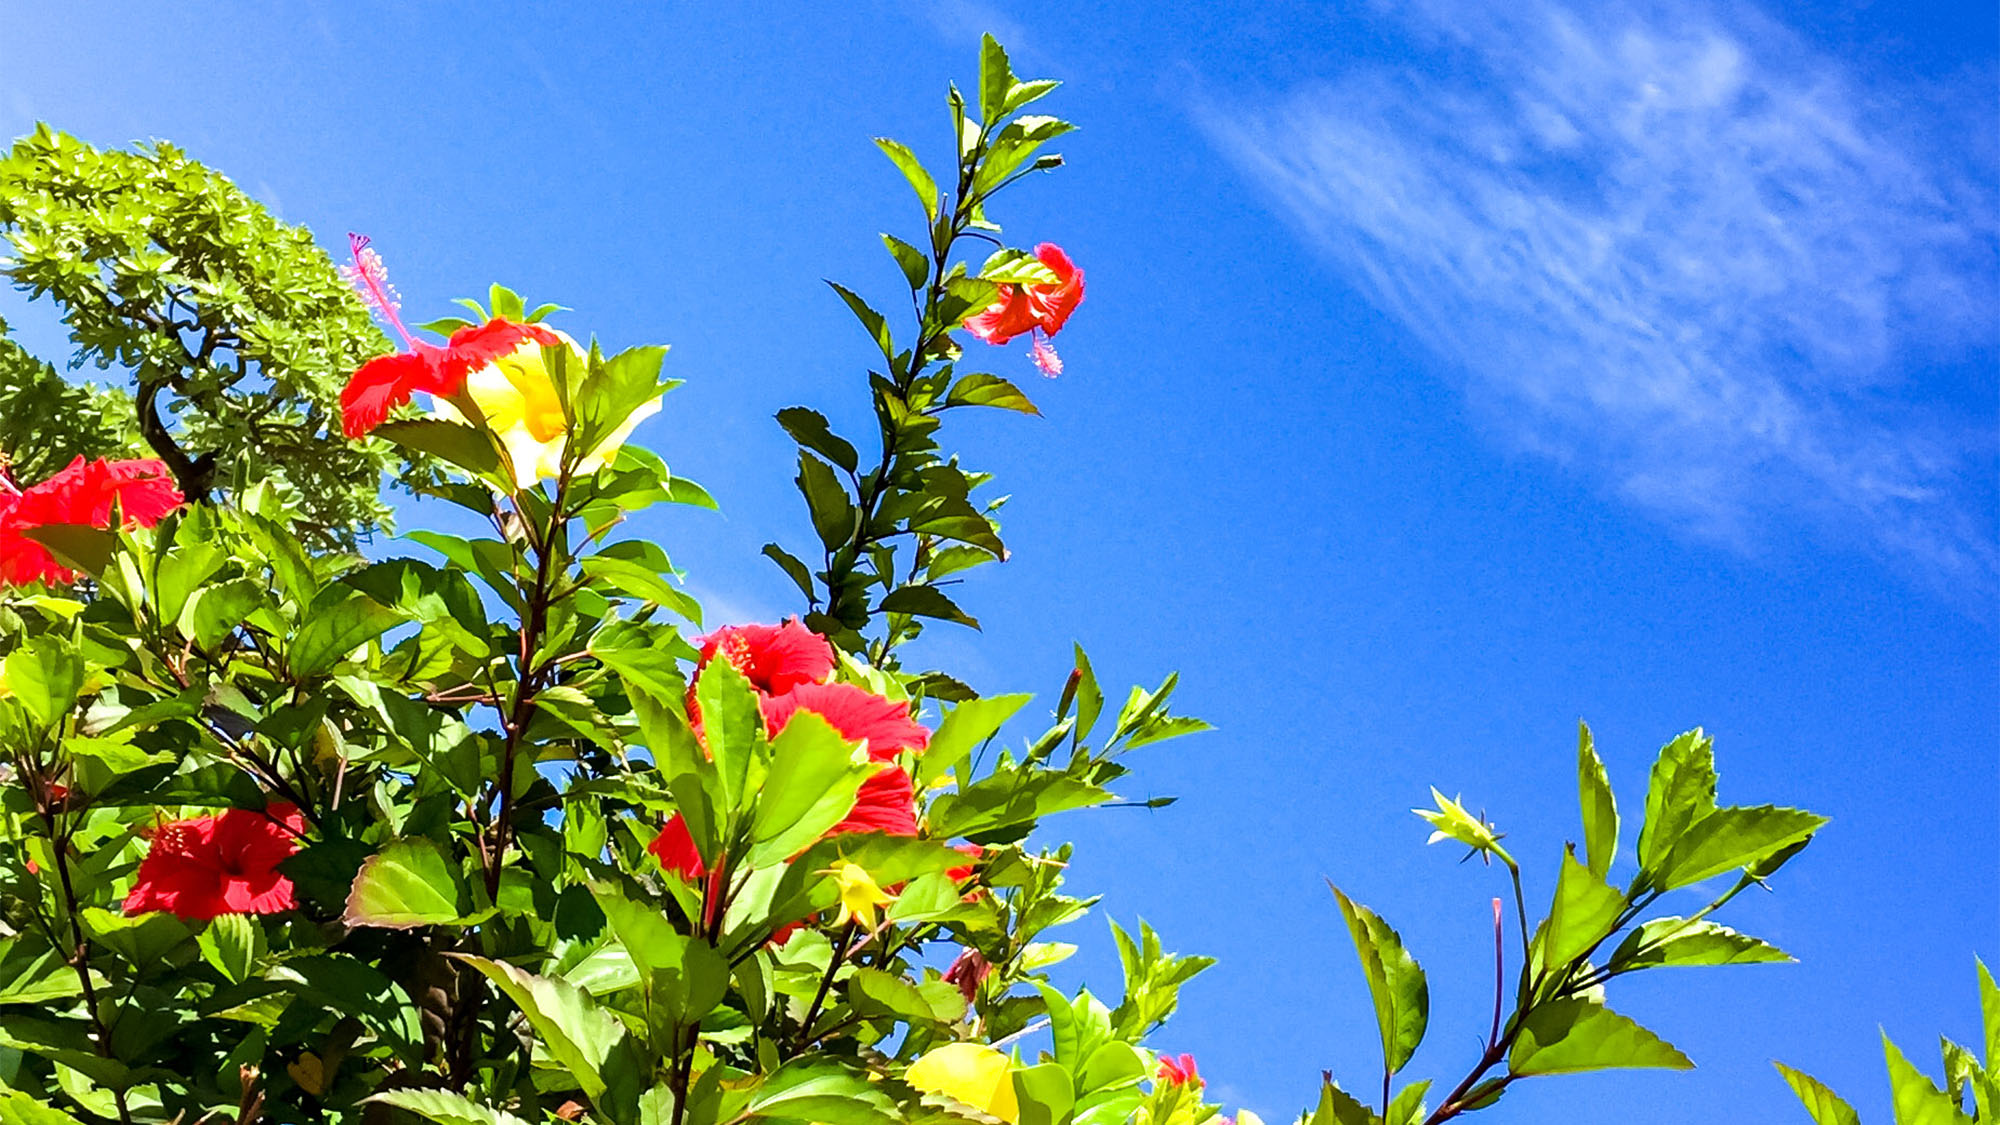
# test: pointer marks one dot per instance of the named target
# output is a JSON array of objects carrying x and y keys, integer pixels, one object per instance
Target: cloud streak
[{"x": 1694, "y": 257}]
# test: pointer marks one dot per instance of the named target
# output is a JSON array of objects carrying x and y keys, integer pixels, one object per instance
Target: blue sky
[{"x": 1449, "y": 373}]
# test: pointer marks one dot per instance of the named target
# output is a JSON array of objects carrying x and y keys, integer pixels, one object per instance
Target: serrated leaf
[
  {"x": 1730, "y": 838},
  {"x": 982, "y": 389},
  {"x": 913, "y": 171},
  {"x": 996, "y": 79},
  {"x": 965, "y": 727},
  {"x": 1583, "y": 913},
  {"x": 926, "y": 601},
  {"x": 827, "y": 501},
  {"x": 467, "y": 447},
  {"x": 1680, "y": 792},
  {"x": 1572, "y": 1036},
  {"x": 1916, "y": 1100},
  {"x": 585, "y": 1039},
  {"x": 446, "y": 1108},
  {"x": 1669, "y": 942},
  {"x": 1396, "y": 982},
  {"x": 408, "y": 883},
  {"x": 810, "y": 429},
  {"x": 330, "y": 633},
  {"x": 1823, "y": 1104}
]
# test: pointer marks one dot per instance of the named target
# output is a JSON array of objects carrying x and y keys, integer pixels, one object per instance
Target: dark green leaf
[
  {"x": 586, "y": 1040},
  {"x": 832, "y": 511},
  {"x": 809, "y": 428},
  {"x": 469, "y": 448},
  {"x": 926, "y": 601},
  {"x": 874, "y": 322}
]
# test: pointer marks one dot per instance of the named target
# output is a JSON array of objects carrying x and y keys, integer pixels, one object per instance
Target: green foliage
[
  {"x": 525, "y": 854},
  {"x": 1915, "y": 1099},
  {"x": 231, "y": 333}
]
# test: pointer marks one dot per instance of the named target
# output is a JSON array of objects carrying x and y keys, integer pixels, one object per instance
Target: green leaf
[
  {"x": 1682, "y": 791},
  {"x": 1572, "y": 1036},
  {"x": 1916, "y": 1100},
  {"x": 816, "y": 1088},
  {"x": 996, "y": 79},
  {"x": 1989, "y": 1011},
  {"x": 232, "y": 943},
  {"x": 330, "y": 633},
  {"x": 1600, "y": 808},
  {"x": 913, "y": 171},
  {"x": 408, "y": 883},
  {"x": 794, "y": 569},
  {"x": 467, "y": 447},
  {"x": 586, "y": 1040},
  {"x": 683, "y": 978},
  {"x": 812, "y": 783},
  {"x": 1667, "y": 942},
  {"x": 1583, "y": 914},
  {"x": 981, "y": 389},
  {"x": 833, "y": 514},
  {"x": 1338, "y": 1107},
  {"x": 17, "y": 1108},
  {"x": 734, "y": 728},
  {"x": 1395, "y": 981},
  {"x": 1825, "y": 1106},
  {"x": 966, "y": 726},
  {"x": 637, "y": 580},
  {"x": 1408, "y": 1106},
  {"x": 214, "y": 611},
  {"x": 445, "y": 1107},
  {"x": 77, "y": 546},
  {"x": 926, "y": 601},
  {"x": 142, "y": 939},
  {"x": 876, "y": 324},
  {"x": 1046, "y": 1093},
  {"x": 916, "y": 267},
  {"x": 810, "y": 429},
  {"x": 1009, "y": 266},
  {"x": 46, "y": 676},
  {"x": 1731, "y": 838}
]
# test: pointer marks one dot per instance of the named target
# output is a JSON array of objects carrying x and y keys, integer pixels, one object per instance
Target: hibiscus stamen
[
  {"x": 1044, "y": 354},
  {"x": 371, "y": 278}
]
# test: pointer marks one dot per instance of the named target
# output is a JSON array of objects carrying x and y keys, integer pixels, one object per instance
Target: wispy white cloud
[{"x": 1685, "y": 251}]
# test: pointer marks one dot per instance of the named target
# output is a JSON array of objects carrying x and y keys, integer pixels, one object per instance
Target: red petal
[
  {"x": 674, "y": 848},
  {"x": 856, "y": 713},
  {"x": 1005, "y": 318},
  {"x": 886, "y": 803},
  {"x": 383, "y": 384},
  {"x": 774, "y": 658},
  {"x": 474, "y": 347}
]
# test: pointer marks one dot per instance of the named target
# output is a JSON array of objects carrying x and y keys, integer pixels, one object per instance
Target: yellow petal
[
  {"x": 972, "y": 1073},
  {"x": 860, "y": 897}
]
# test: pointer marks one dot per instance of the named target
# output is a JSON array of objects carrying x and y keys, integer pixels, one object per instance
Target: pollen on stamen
[
  {"x": 370, "y": 278},
  {"x": 1044, "y": 354}
]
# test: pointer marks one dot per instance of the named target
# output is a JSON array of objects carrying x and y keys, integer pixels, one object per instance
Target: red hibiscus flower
[
  {"x": 386, "y": 382},
  {"x": 774, "y": 658},
  {"x": 87, "y": 493},
  {"x": 858, "y": 714},
  {"x": 223, "y": 864},
  {"x": 1179, "y": 1071},
  {"x": 1040, "y": 310}
]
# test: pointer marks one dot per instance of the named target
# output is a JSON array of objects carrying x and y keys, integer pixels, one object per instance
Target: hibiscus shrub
[{"x": 502, "y": 831}]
